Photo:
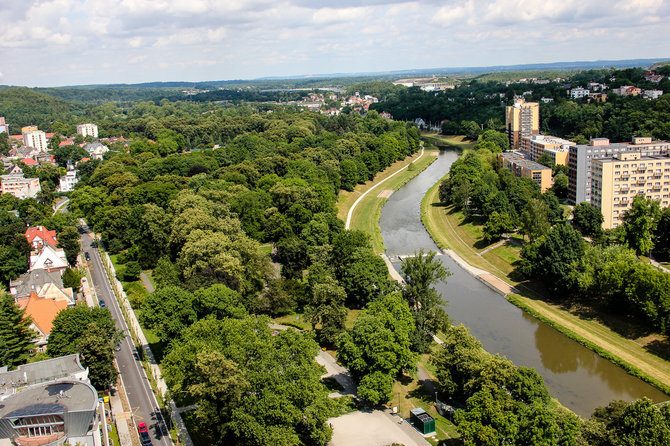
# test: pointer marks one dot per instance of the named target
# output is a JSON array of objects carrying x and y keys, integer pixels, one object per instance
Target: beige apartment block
[
  {"x": 616, "y": 181},
  {"x": 522, "y": 120},
  {"x": 534, "y": 146},
  {"x": 524, "y": 168}
]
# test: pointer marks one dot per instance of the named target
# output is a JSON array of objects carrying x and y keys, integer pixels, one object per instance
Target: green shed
[{"x": 421, "y": 421}]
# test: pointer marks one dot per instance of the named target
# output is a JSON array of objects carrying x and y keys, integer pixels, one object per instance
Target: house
[
  {"x": 96, "y": 150},
  {"x": 653, "y": 77},
  {"x": 38, "y": 236},
  {"x": 42, "y": 311},
  {"x": 578, "y": 93},
  {"x": 49, "y": 258},
  {"x": 15, "y": 170},
  {"x": 627, "y": 90},
  {"x": 46, "y": 284},
  {"x": 652, "y": 94},
  {"x": 68, "y": 181},
  {"x": 48, "y": 402}
]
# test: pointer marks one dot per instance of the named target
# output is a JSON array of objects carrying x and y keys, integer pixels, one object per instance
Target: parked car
[
  {"x": 145, "y": 439},
  {"x": 102, "y": 303},
  {"x": 87, "y": 256}
]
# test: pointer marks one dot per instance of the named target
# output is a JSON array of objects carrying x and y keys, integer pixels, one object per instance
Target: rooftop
[
  {"x": 63, "y": 367},
  {"x": 518, "y": 159},
  {"x": 42, "y": 311},
  {"x": 34, "y": 280},
  {"x": 50, "y": 399}
]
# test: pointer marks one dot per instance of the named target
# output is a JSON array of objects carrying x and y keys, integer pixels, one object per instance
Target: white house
[
  {"x": 96, "y": 150},
  {"x": 578, "y": 93},
  {"x": 68, "y": 181},
  {"x": 50, "y": 259}
]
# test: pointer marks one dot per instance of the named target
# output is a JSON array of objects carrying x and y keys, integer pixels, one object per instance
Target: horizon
[
  {"x": 575, "y": 65},
  {"x": 86, "y": 42}
]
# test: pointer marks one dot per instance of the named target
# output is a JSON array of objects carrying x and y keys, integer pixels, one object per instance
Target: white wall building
[
  {"x": 19, "y": 186},
  {"x": 36, "y": 139},
  {"x": 68, "y": 181},
  {"x": 578, "y": 93},
  {"x": 88, "y": 130},
  {"x": 652, "y": 94}
]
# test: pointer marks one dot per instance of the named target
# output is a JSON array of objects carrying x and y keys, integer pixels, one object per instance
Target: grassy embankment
[
  {"x": 368, "y": 211},
  {"x": 451, "y": 230}
]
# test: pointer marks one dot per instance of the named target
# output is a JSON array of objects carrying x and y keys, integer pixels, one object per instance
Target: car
[
  {"x": 145, "y": 439},
  {"x": 87, "y": 256},
  {"x": 102, "y": 303}
]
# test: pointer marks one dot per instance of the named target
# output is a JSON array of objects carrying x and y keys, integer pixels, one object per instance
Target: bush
[{"x": 132, "y": 272}]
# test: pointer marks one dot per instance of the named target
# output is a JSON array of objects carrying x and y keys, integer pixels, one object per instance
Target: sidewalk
[{"x": 121, "y": 418}]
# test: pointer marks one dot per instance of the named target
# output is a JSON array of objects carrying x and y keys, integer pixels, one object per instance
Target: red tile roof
[
  {"x": 29, "y": 162},
  {"x": 42, "y": 311},
  {"x": 43, "y": 233}
]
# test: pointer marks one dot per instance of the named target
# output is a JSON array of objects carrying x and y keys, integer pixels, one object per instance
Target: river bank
[
  {"x": 632, "y": 356},
  {"x": 361, "y": 209}
]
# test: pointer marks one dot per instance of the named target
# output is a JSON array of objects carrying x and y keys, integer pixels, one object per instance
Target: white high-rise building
[
  {"x": 36, "y": 139},
  {"x": 88, "y": 130}
]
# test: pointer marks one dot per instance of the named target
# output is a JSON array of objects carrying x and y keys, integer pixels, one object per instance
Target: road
[{"x": 138, "y": 388}]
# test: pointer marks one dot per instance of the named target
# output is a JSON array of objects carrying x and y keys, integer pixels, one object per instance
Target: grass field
[
  {"x": 368, "y": 211},
  {"x": 346, "y": 199},
  {"x": 450, "y": 229},
  {"x": 438, "y": 140}
]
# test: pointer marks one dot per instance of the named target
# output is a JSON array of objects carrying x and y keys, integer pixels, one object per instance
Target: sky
[{"x": 73, "y": 42}]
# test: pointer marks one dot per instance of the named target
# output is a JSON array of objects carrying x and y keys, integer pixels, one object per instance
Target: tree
[
  {"x": 639, "y": 223},
  {"x": 165, "y": 273},
  {"x": 546, "y": 160},
  {"x": 15, "y": 334},
  {"x": 497, "y": 225},
  {"x": 560, "y": 186},
  {"x": 97, "y": 353},
  {"x": 554, "y": 258},
  {"x": 420, "y": 273},
  {"x": 68, "y": 239},
  {"x": 379, "y": 341},
  {"x": 535, "y": 219},
  {"x": 5, "y": 146},
  {"x": 327, "y": 309},
  {"x": 72, "y": 278},
  {"x": 364, "y": 277},
  {"x": 662, "y": 236},
  {"x": 642, "y": 423},
  {"x": 252, "y": 386},
  {"x": 588, "y": 219},
  {"x": 70, "y": 324},
  {"x": 132, "y": 271},
  {"x": 168, "y": 311},
  {"x": 13, "y": 263}
]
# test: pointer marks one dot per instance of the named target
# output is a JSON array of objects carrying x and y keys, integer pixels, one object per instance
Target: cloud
[{"x": 269, "y": 37}]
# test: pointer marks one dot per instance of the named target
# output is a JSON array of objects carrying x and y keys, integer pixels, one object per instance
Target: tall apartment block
[
  {"x": 516, "y": 163},
  {"x": 534, "y": 146},
  {"x": 616, "y": 181},
  {"x": 4, "y": 128},
  {"x": 522, "y": 120},
  {"x": 88, "y": 130},
  {"x": 34, "y": 138},
  {"x": 581, "y": 157}
]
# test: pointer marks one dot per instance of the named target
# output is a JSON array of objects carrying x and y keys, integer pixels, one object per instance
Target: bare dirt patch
[{"x": 386, "y": 193}]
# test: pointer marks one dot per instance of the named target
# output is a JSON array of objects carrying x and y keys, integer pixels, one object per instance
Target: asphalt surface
[{"x": 138, "y": 388}]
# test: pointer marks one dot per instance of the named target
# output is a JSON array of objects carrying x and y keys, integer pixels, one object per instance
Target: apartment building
[
  {"x": 534, "y": 146},
  {"x": 616, "y": 181},
  {"x": 19, "y": 186},
  {"x": 34, "y": 138},
  {"x": 516, "y": 163},
  {"x": 4, "y": 127},
  {"x": 581, "y": 156},
  {"x": 522, "y": 120},
  {"x": 88, "y": 130}
]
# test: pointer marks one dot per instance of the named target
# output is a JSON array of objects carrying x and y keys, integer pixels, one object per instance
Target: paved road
[{"x": 140, "y": 395}]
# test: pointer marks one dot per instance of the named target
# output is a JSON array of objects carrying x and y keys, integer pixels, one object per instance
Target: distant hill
[{"x": 24, "y": 106}]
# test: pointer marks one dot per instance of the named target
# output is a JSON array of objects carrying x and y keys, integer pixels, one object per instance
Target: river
[{"x": 579, "y": 378}]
